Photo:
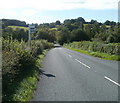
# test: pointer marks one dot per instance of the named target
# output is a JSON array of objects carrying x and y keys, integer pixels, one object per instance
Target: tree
[
  {"x": 110, "y": 23},
  {"x": 93, "y": 21},
  {"x": 64, "y": 36},
  {"x": 14, "y": 22},
  {"x": 57, "y": 22},
  {"x": 52, "y": 25},
  {"x": 47, "y": 34},
  {"x": 19, "y": 34},
  {"x": 103, "y": 28},
  {"x": 81, "y": 26},
  {"x": 78, "y": 35},
  {"x": 87, "y": 29},
  {"x": 67, "y": 22},
  {"x": 95, "y": 29},
  {"x": 80, "y": 19}
]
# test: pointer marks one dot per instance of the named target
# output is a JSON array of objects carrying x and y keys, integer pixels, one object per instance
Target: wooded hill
[
  {"x": 68, "y": 31},
  {"x": 12, "y": 22}
]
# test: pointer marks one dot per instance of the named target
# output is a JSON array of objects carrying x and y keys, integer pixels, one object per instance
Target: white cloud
[
  {"x": 8, "y": 12},
  {"x": 59, "y": 4},
  {"x": 87, "y": 20},
  {"x": 28, "y": 12},
  {"x": 101, "y": 4},
  {"x": 31, "y": 10}
]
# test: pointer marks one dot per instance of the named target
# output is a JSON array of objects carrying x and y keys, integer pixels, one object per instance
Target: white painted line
[
  {"x": 69, "y": 55},
  {"x": 112, "y": 81},
  {"x": 82, "y": 63}
]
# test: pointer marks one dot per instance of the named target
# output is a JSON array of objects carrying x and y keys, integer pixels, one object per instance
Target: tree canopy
[{"x": 68, "y": 31}]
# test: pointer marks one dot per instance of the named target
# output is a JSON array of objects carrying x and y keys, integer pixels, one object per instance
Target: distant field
[
  {"x": 107, "y": 26},
  {"x": 54, "y": 29},
  {"x": 15, "y": 27},
  {"x": 85, "y": 24}
]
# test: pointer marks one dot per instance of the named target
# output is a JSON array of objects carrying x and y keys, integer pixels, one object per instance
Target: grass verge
[
  {"x": 28, "y": 85},
  {"x": 97, "y": 54}
]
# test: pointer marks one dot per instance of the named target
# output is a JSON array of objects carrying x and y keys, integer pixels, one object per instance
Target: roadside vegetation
[
  {"x": 108, "y": 51},
  {"x": 21, "y": 67}
]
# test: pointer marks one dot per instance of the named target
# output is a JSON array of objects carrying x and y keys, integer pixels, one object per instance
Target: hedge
[
  {"x": 111, "y": 48},
  {"x": 18, "y": 63}
]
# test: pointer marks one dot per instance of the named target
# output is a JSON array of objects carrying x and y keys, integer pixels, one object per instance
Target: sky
[{"x": 47, "y": 11}]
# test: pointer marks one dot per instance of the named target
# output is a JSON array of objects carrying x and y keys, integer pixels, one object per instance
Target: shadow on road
[{"x": 42, "y": 72}]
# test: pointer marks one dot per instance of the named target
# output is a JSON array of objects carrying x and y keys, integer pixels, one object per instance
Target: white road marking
[
  {"x": 82, "y": 63},
  {"x": 69, "y": 55},
  {"x": 112, "y": 81},
  {"x": 58, "y": 48}
]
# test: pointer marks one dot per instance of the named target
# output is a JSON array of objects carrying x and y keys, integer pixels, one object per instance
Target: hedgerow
[
  {"x": 19, "y": 68},
  {"x": 110, "y": 48}
]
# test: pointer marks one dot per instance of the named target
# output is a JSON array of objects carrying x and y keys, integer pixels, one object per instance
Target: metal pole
[{"x": 29, "y": 38}]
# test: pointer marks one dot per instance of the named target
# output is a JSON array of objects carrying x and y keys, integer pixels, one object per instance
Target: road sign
[{"x": 31, "y": 29}]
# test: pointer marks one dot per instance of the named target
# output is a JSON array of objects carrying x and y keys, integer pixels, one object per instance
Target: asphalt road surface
[{"x": 71, "y": 76}]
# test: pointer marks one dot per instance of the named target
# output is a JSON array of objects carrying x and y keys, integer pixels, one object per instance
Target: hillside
[
  {"x": 13, "y": 22},
  {"x": 18, "y": 27}
]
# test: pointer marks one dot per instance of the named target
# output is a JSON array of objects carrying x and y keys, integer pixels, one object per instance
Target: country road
[{"x": 71, "y": 76}]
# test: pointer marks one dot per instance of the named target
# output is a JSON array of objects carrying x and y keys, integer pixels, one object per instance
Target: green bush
[
  {"x": 37, "y": 46},
  {"x": 19, "y": 62}
]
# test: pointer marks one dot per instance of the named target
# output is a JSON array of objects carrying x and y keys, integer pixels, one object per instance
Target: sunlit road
[{"x": 71, "y": 76}]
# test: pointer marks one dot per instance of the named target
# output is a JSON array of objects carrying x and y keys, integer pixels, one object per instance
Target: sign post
[{"x": 31, "y": 29}]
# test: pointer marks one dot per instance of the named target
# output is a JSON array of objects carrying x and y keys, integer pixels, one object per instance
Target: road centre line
[
  {"x": 69, "y": 55},
  {"x": 107, "y": 78},
  {"x": 112, "y": 81},
  {"x": 82, "y": 63}
]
